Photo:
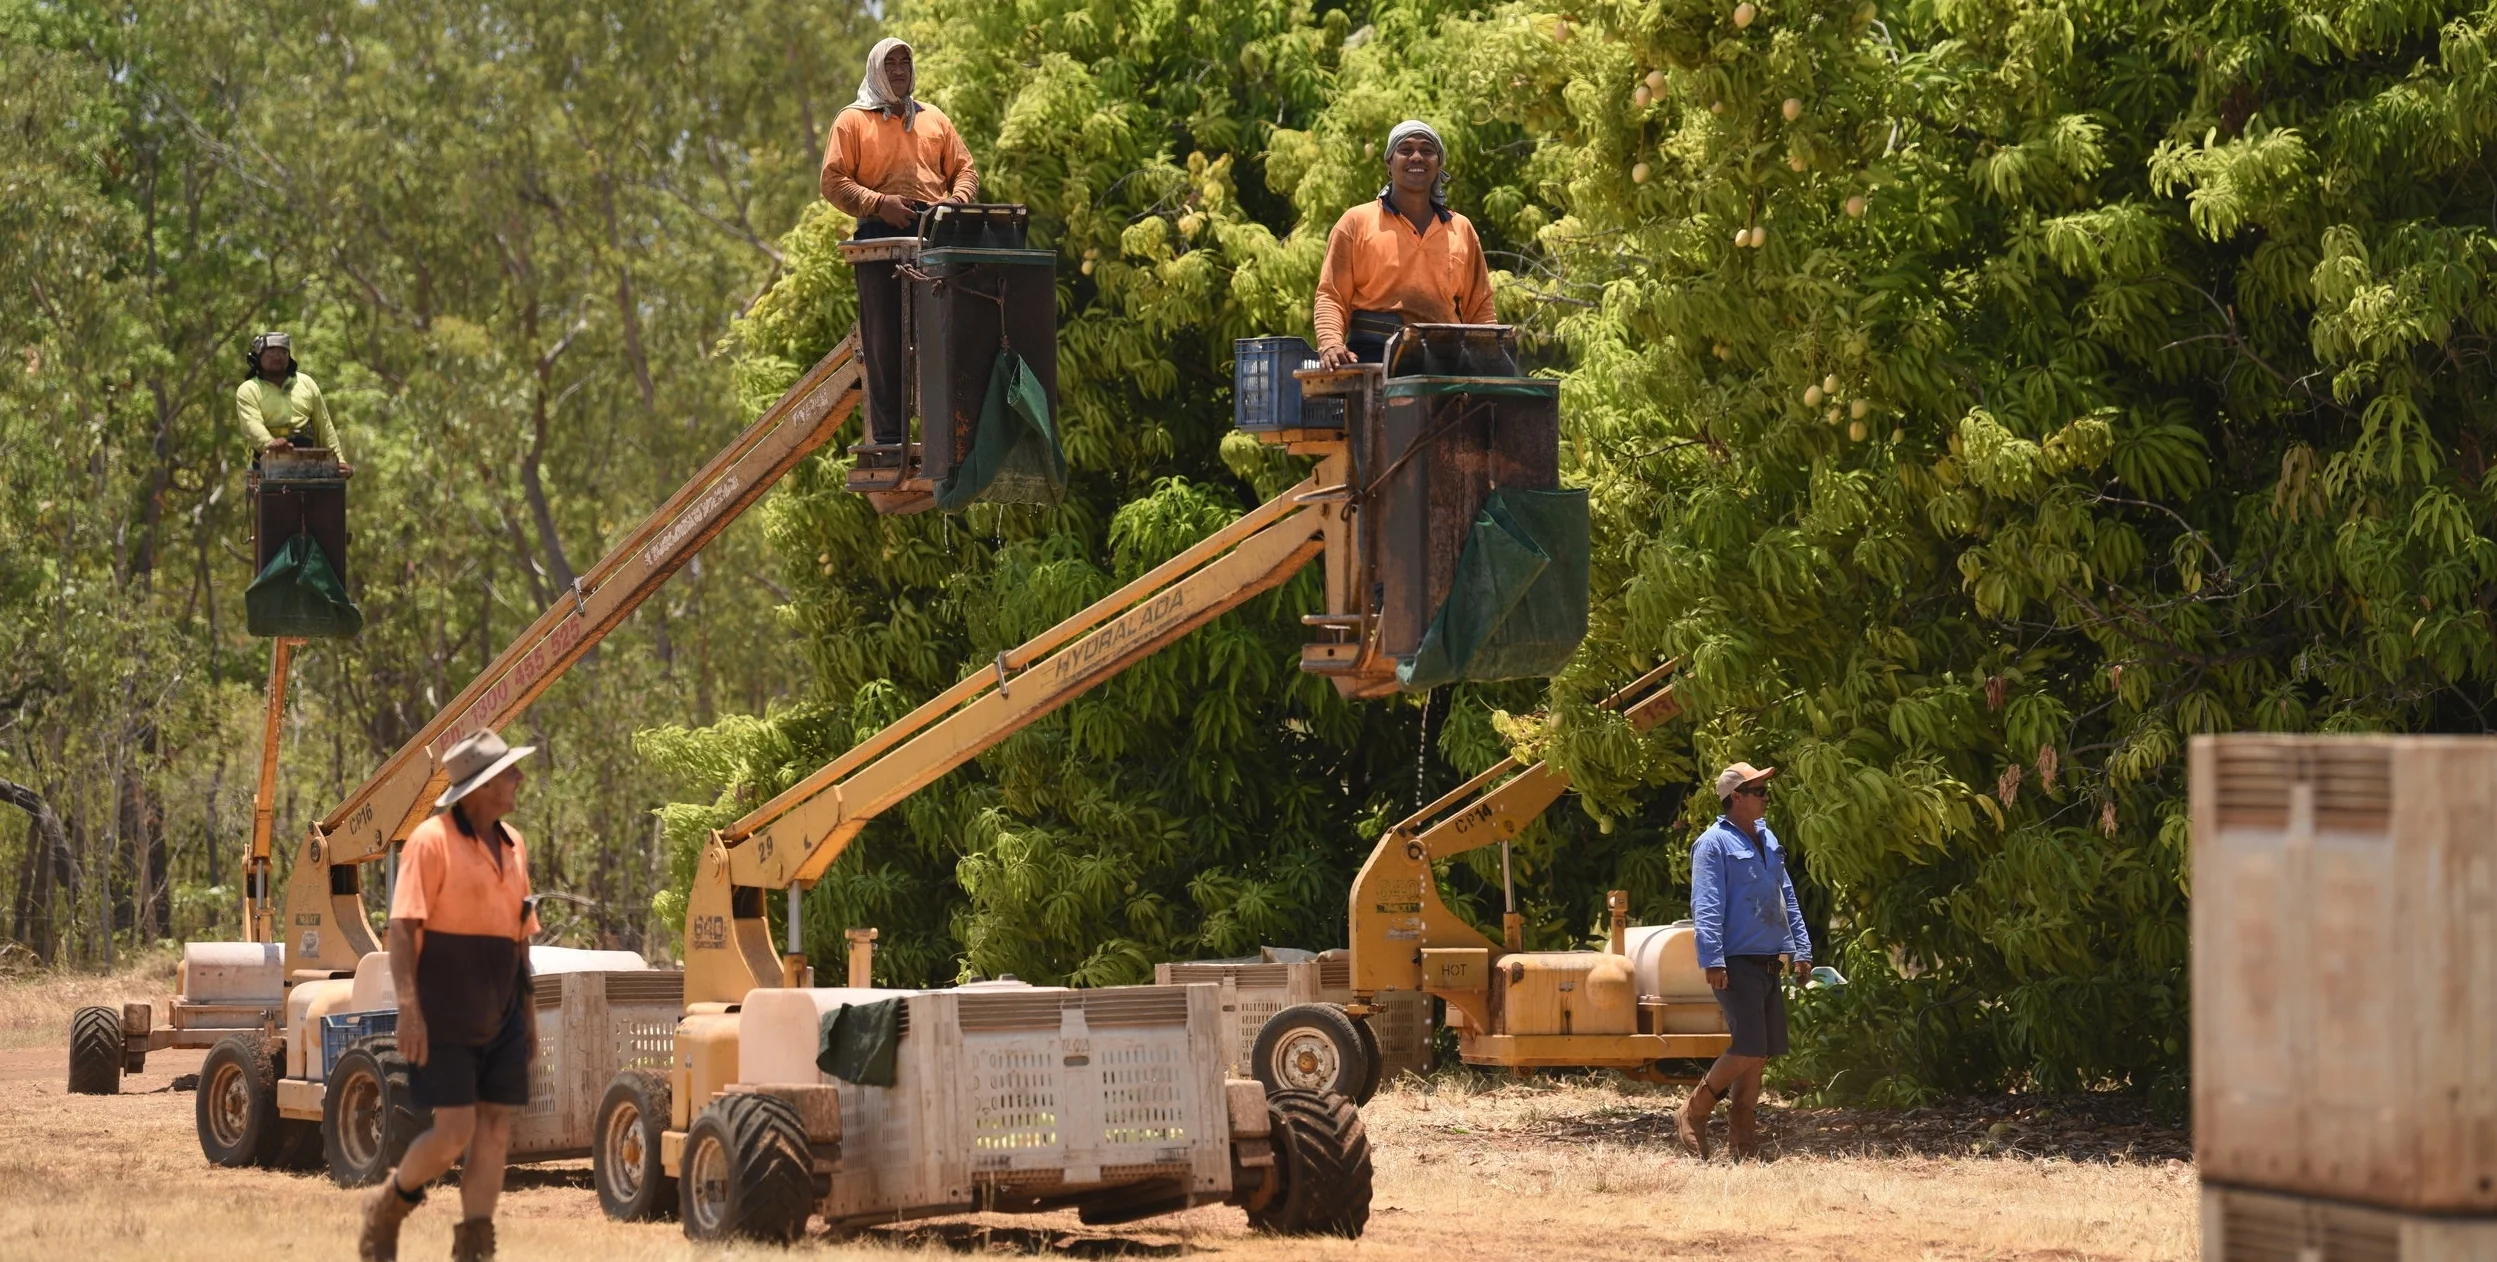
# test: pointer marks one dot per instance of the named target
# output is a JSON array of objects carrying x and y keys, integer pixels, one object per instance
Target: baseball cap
[{"x": 1740, "y": 774}]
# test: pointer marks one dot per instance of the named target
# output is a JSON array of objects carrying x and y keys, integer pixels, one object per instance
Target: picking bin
[{"x": 963, "y": 304}]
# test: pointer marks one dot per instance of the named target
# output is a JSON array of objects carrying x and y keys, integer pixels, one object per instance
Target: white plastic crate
[
  {"x": 1011, "y": 1091},
  {"x": 590, "y": 1026},
  {"x": 1252, "y": 993}
]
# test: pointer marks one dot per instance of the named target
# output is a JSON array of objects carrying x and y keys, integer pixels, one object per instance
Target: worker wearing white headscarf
[
  {"x": 1404, "y": 258},
  {"x": 889, "y": 149},
  {"x": 889, "y": 158}
]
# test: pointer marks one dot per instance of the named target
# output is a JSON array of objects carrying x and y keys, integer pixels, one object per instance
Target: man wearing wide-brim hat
[
  {"x": 460, "y": 925},
  {"x": 1749, "y": 927}
]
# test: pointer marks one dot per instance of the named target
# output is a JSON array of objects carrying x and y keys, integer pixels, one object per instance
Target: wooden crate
[
  {"x": 2239, "y": 1225},
  {"x": 2345, "y": 968}
]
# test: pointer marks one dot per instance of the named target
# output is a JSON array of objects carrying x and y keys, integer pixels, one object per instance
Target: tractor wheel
[
  {"x": 368, "y": 1117},
  {"x": 236, "y": 1106},
  {"x": 624, "y": 1156},
  {"x": 1322, "y": 1157},
  {"x": 1313, "y": 1047},
  {"x": 1377, "y": 1065},
  {"x": 95, "y": 1052},
  {"x": 747, "y": 1173}
]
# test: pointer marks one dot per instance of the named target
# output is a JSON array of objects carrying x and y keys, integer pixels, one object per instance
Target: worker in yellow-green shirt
[{"x": 280, "y": 406}]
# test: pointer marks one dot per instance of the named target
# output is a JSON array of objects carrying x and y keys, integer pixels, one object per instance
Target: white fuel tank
[
  {"x": 377, "y": 991},
  {"x": 552, "y": 959},
  {"x": 1664, "y": 961},
  {"x": 233, "y": 972}
]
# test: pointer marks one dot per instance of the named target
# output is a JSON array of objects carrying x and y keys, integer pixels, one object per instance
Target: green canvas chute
[
  {"x": 1518, "y": 606},
  {"x": 861, "y": 1041},
  {"x": 298, "y": 595},
  {"x": 1015, "y": 456}
]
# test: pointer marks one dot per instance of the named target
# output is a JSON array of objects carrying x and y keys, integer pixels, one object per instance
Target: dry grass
[
  {"x": 1471, "y": 1169},
  {"x": 35, "y": 1006}
]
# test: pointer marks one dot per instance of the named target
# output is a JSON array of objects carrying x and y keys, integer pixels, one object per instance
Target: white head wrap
[
  {"x": 875, "y": 92},
  {"x": 1416, "y": 127}
]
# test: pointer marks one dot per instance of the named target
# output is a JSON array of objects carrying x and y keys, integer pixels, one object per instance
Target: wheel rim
[
  {"x": 1306, "y": 1059},
  {"x": 229, "y": 1105},
  {"x": 360, "y": 1120},
  {"x": 706, "y": 1181},
  {"x": 625, "y": 1151}
]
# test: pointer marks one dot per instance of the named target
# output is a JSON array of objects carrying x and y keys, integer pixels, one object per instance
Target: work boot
[
  {"x": 473, "y": 1241},
  {"x": 1742, "y": 1130},
  {"x": 389, "y": 1207},
  {"x": 1691, "y": 1124}
]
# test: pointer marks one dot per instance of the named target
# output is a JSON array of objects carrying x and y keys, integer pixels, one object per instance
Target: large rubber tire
[
  {"x": 95, "y": 1052},
  {"x": 236, "y": 1105},
  {"x": 624, "y": 1148},
  {"x": 1375, "y": 1065},
  {"x": 746, "y": 1172},
  {"x": 1322, "y": 1156},
  {"x": 368, "y": 1115},
  {"x": 1312, "y": 1047}
]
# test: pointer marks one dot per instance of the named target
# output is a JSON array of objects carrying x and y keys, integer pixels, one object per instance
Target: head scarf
[
  {"x": 1416, "y": 127},
  {"x": 874, "y": 93}
]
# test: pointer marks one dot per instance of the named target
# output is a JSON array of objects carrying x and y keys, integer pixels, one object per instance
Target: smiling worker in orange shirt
[{"x": 1402, "y": 259}]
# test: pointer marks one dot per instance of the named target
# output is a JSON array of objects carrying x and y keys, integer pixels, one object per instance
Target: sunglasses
[{"x": 1752, "y": 791}]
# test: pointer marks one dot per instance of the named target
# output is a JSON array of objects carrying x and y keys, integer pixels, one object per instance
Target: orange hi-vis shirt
[
  {"x": 1377, "y": 262},
  {"x": 470, "y": 897},
  {"x": 869, "y": 157}
]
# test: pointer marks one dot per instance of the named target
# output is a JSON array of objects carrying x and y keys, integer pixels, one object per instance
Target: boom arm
[
  {"x": 791, "y": 840},
  {"x": 322, "y": 893},
  {"x": 1396, "y": 910}
]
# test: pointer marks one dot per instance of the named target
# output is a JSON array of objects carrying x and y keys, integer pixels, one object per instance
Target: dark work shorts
[
  {"x": 496, "y": 1072},
  {"x": 1755, "y": 1005}
]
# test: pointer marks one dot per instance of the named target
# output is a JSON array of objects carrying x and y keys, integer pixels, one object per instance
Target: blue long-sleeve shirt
[{"x": 1741, "y": 899}]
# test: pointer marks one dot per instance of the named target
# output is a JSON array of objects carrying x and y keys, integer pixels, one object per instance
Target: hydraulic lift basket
[
  {"x": 1441, "y": 446},
  {"x": 964, "y": 304}
]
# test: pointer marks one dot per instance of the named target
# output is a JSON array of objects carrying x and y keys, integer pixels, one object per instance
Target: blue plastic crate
[
  {"x": 340, "y": 1030},
  {"x": 1264, "y": 394}
]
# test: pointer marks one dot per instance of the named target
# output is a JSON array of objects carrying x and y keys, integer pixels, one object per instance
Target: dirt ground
[{"x": 1468, "y": 1168}]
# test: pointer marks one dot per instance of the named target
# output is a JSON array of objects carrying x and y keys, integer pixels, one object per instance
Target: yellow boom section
[
  {"x": 794, "y": 837},
  {"x": 324, "y": 926},
  {"x": 1395, "y": 908},
  {"x": 394, "y": 799}
]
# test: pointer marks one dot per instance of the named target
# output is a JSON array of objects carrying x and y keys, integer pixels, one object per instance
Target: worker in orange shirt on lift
[
  {"x": 891, "y": 156},
  {"x": 1403, "y": 259}
]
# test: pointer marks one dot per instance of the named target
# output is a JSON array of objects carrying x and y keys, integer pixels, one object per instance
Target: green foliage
[
  {"x": 2108, "y": 375},
  {"x": 1204, "y": 802},
  {"x": 1980, "y": 399},
  {"x": 506, "y": 240}
]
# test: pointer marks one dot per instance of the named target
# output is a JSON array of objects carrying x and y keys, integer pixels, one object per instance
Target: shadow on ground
[
  {"x": 1026, "y": 1241},
  {"x": 2101, "y": 1128}
]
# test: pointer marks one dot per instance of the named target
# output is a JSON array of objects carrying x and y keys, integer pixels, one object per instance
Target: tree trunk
[
  {"x": 48, "y": 850},
  {"x": 558, "y": 567}
]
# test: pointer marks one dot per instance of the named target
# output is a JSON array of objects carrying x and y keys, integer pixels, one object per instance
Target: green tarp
[
  {"x": 1518, "y": 606},
  {"x": 860, "y": 1041},
  {"x": 1015, "y": 456},
  {"x": 299, "y": 594}
]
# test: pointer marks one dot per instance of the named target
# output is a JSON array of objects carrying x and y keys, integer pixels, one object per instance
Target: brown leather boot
[
  {"x": 1691, "y": 1124},
  {"x": 1742, "y": 1130},
  {"x": 473, "y": 1241},
  {"x": 379, "y": 1242}
]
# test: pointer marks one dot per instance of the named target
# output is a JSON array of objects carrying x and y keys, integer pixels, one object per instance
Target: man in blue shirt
[{"x": 1749, "y": 927}]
